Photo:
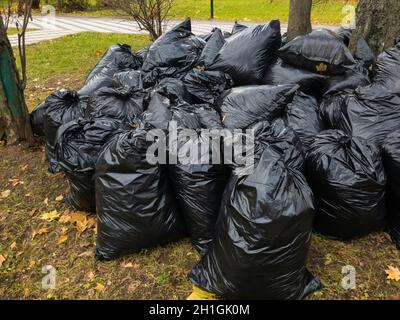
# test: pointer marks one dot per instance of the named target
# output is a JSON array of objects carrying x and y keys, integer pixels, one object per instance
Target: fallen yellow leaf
[
  {"x": 2, "y": 259},
  {"x": 60, "y": 198},
  {"x": 50, "y": 216},
  {"x": 100, "y": 287},
  {"x": 23, "y": 168},
  {"x": 127, "y": 265},
  {"x": 62, "y": 239},
  {"x": 46, "y": 201},
  {"x": 39, "y": 232},
  {"x": 65, "y": 218},
  {"x": 393, "y": 273},
  {"x": 13, "y": 245},
  {"x": 5, "y": 194}
]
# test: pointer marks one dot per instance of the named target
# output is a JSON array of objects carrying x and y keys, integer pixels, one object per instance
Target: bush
[{"x": 72, "y": 5}]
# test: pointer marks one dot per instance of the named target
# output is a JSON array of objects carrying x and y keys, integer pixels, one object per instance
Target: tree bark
[
  {"x": 14, "y": 115},
  {"x": 378, "y": 23},
  {"x": 299, "y": 18}
]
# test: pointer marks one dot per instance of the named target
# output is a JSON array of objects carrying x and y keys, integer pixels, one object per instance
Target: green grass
[
  {"x": 66, "y": 61},
  {"x": 12, "y": 31},
  {"x": 256, "y": 10},
  {"x": 328, "y": 12}
]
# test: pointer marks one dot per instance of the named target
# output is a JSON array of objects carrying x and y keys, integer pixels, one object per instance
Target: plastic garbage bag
[
  {"x": 135, "y": 206},
  {"x": 211, "y": 49},
  {"x": 365, "y": 54},
  {"x": 198, "y": 184},
  {"x": 62, "y": 107},
  {"x": 117, "y": 58},
  {"x": 238, "y": 27},
  {"x": 37, "y": 119},
  {"x": 345, "y": 33},
  {"x": 303, "y": 116},
  {"x": 247, "y": 54},
  {"x": 348, "y": 180},
  {"x": 207, "y": 86},
  {"x": 142, "y": 54},
  {"x": 283, "y": 73},
  {"x": 387, "y": 71},
  {"x": 245, "y": 106},
  {"x": 174, "y": 89},
  {"x": 320, "y": 51},
  {"x": 353, "y": 78},
  {"x": 262, "y": 233},
  {"x": 369, "y": 113},
  {"x": 173, "y": 54},
  {"x": 331, "y": 109},
  {"x": 117, "y": 103},
  {"x": 130, "y": 79},
  {"x": 79, "y": 143},
  {"x": 391, "y": 160}
]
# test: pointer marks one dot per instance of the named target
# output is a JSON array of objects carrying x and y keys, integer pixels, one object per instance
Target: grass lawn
[
  {"x": 244, "y": 10},
  {"x": 65, "y": 62},
  {"x": 28, "y": 242}
]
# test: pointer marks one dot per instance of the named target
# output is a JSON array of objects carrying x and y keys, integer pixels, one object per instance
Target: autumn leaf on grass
[
  {"x": 62, "y": 239},
  {"x": 4, "y": 194},
  {"x": 46, "y": 201},
  {"x": 60, "y": 198},
  {"x": 13, "y": 245},
  {"x": 50, "y": 216},
  {"x": 100, "y": 287},
  {"x": 39, "y": 232},
  {"x": 393, "y": 273},
  {"x": 2, "y": 259}
]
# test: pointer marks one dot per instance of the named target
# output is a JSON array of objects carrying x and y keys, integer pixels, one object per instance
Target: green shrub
[{"x": 75, "y": 5}]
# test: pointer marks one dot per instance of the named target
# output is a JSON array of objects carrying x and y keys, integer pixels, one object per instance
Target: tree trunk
[
  {"x": 299, "y": 18},
  {"x": 14, "y": 115},
  {"x": 378, "y": 23}
]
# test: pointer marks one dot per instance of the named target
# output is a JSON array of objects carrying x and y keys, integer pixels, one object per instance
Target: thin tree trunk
[
  {"x": 299, "y": 18},
  {"x": 378, "y": 23},
  {"x": 14, "y": 115}
]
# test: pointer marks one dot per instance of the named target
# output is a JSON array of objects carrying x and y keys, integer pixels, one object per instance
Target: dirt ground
[{"x": 38, "y": 229}]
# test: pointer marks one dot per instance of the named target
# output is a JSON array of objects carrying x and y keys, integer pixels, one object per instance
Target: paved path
[{"x": 63, "y": 26}]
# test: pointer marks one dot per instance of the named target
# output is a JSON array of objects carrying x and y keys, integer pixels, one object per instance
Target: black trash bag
[
  {"x": 211, "y": 49},
  {"x": 62, "y": 107},
  {"x": 320, "y": 51},
  {"x": 208, "y": 116},
  {"x": 37, "y": 119},
  {"x": 348, "y": 180},
  {"x": 207, "y": 86},
  {"x": 158, "y": 113},
  {"x": 283, "y": 73},
  {"x": 303, "y": 116},
  {"x": 263, "y": 232},
  {"x": 365, "y": 54},
  {"x": 345, "y": 33},
  {"x": 245, "y": 106},
  {"x": 369, "y": 113},
  {"x": 117, "y": 58},
  {"x": 198, "y": 185},
  {"x": 135, "y": 206},
  {"x": 174, "y": 89},
  {"x": 117, "y": 103},
  {"x": 79, "y": 143},
  {"x": 353, "y": 78},
  {"x": 238, "y": 27},
  {"x": 173, "y": 54},
  {"x": 142, "y": 54},
  {"x": 387, "y": 71},
  {"x": 331, "y": 109},
  {"x": 130, "y": 79},
  {"x": 391, "y": 161},
  {"x": 247, "y": 54}
]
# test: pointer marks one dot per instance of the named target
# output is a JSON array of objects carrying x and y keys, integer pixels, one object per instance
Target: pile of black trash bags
[{"x": 326, "y": 150}]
